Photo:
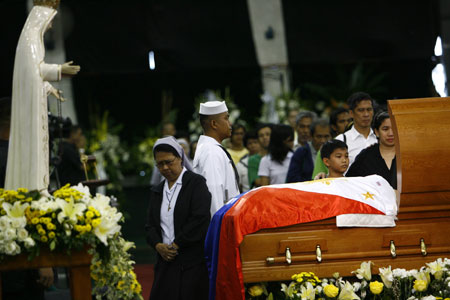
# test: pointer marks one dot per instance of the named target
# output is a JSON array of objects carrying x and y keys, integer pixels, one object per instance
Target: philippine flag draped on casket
[{"x": 283, "y": 205}]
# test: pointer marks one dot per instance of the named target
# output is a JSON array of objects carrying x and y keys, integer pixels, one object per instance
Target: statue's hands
[
  {"x": 58, "y": 94},
  {"x": 69, "y": 69}
]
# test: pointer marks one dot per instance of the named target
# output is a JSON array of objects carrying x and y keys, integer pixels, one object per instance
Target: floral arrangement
[
  {"x": 276, "y": 110},
  {"x": 234, "y": 111},
  {"x": 70, "y": 219},
  {"x": 428, "y": 283},
  {"x": 109, "y": 151}
]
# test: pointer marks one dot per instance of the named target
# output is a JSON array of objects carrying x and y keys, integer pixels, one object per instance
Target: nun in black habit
[{"x": 177, "y": 221}]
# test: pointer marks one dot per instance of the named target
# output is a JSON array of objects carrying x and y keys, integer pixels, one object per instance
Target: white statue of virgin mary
[{"x": 28, "y": 153}]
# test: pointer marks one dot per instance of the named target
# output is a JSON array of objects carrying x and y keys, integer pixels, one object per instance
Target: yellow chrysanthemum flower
[{"x": 120, "y": 284}]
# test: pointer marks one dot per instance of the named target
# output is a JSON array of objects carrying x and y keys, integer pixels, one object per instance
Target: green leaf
[{"x": 52, "y": 245}]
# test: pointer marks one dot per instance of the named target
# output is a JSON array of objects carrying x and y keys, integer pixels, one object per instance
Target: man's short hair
[
  {"x": 335, "y": 113},
  {"x": 357, "y": 97},
  {"x": 329, "y": 147},
  {"x": 318, "y": 122},
  {"x": 5, "y": 112},
  {"x": 204, "y": 120},
  {"x": 305, "y": 114}
]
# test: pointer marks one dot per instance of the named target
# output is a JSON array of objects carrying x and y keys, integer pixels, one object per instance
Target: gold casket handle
[
  {"x": 270, "y": 260},
  {"x": 392, "y": 247},
  {"x": 423, "y": 247},
  {"x": 288, "y": 256},
  {"x": 318, "y": 253}
]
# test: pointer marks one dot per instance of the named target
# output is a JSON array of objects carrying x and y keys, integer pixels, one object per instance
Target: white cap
[{"x": 213, "y": 108}]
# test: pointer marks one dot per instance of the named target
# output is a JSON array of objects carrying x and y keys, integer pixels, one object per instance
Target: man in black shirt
[{"x": 70, "y": 169}]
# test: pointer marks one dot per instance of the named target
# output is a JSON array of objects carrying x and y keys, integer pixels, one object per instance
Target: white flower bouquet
[
  {"x": 431, "y": 282},
  {"x": 70, "y": 219}
]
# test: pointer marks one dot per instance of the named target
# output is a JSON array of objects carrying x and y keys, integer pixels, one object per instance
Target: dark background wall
[{"x": 208, "y": 44}]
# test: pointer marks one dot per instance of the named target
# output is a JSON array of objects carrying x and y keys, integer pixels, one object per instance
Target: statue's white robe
[{"x": 28, "y": 154}]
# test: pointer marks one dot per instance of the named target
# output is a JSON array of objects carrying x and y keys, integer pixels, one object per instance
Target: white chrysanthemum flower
[
  {"x": 69, "y": 210},
  {"x": 12, "y": 248},
  {"x": 29, "y": 242},
  {"x": 20, "y": 222},
  {"x": 387, "y": 276},
  {"x": 364, "y": 272},
  {"x": 411, "y": 273},
  {"x": 44, "y": 204},
  {"x": 22, "y": 234},
  {"x": 4, "y": 222},
  {"x": 10, "y": 234},
  {"x": 399, "y": 273}
]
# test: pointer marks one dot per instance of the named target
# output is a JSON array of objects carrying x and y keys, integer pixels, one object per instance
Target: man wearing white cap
[{"x": 211, "y": 159}]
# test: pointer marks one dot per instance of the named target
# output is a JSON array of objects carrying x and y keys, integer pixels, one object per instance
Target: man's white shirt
[
  {"x": 212, "y": 162},
  {"x": 357, "y": 142}
]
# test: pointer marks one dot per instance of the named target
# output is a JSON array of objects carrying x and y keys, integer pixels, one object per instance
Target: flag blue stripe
[{"x": 212, "y": 244}]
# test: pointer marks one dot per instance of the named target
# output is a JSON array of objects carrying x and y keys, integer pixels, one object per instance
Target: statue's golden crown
[{"x": 50, "y": 3}]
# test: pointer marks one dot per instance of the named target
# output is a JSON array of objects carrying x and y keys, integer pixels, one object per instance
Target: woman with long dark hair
[
  {"x": 379, "y": 158},
  {"x": 274, "y": 166}
]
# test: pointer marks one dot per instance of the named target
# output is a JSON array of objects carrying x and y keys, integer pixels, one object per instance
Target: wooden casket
[{"x": 422, "y": 231}]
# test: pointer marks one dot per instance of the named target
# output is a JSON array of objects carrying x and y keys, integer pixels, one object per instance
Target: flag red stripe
[{"x": 270, "y": 208}]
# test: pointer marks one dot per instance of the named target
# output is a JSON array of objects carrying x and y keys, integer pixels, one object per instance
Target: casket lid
[{"x": 422, "y": 133}]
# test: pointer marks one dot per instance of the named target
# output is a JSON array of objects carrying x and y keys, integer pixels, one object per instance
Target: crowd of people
[
  {"x": 230, "y": 160},
  {"x": 192, "y": 180}
]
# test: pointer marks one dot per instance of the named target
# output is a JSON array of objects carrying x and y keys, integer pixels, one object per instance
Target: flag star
[{"x": 368, "y": 196}]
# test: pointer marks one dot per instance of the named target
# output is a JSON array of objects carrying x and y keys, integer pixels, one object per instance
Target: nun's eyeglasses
[{"x": 163, "y": 163}]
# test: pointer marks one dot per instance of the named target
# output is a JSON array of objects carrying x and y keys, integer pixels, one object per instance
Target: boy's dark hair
[
  {"x": 237, "y": 126},
  {"x": 329, "y": 147},
  {"x": 335, "y": 113},
  {"x": 379, "y": 118},
  {"x": 261, "y": 126},
  {"x": 251, "y": 135},
  {"x": 357, "y": 97}
]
